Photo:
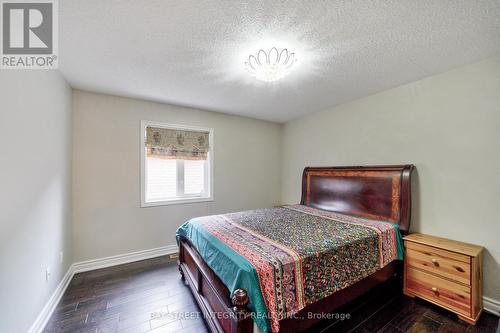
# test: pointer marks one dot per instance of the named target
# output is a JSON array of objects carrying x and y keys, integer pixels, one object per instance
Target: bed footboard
[{"x": 222, "y": 312}]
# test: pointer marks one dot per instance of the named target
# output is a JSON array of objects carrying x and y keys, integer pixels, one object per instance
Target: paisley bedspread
[{"x": 292, "y": 256}]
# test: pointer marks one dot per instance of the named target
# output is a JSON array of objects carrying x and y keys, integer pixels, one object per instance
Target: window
[{"x": 176, "y": 164}]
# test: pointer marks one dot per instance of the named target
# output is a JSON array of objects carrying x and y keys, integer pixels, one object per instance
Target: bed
[{"x": 273, "y": 269}]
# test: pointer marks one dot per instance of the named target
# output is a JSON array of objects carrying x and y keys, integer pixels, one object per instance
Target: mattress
[{"x": 289, "y": 257}]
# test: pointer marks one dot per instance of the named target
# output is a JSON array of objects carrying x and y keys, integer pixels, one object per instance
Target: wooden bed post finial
[{"x": 240, "y": 301}]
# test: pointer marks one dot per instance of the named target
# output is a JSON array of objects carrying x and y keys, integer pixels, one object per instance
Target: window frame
[{"x": 177, "y": 200}]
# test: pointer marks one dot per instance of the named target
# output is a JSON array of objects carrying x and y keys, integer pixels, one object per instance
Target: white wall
[
  {"x": 35, "y": 192},
  {"x": 107, "y": 216},
  {"x": 448, "y": 125}
]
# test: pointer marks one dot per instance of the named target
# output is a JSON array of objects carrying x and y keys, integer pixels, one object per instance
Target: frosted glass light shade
[{"x": 270, "y": 65}]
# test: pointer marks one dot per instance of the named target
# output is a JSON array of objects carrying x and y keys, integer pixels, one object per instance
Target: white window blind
[
  {"x": 194, "y": 176},
  {"x": 161, "y": 177}
]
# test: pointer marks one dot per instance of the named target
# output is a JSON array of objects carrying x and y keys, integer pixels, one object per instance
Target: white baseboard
[
  {"x": 89, "y": 265},
  {"x": 50, "y": 306},
  {"x": 491, "y": 305}
]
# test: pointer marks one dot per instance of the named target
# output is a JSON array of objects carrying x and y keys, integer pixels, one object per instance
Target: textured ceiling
[{"x": 191, "y": 52}]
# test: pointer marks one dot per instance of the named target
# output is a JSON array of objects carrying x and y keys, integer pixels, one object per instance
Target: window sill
[{"x": 176, "y": 202}]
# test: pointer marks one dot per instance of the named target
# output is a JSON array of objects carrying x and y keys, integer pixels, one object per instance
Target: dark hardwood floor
[{"x": 148, "y": 296}]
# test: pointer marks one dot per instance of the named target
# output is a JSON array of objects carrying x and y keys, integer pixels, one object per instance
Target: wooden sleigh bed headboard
[{"x": 378, "y": 192}]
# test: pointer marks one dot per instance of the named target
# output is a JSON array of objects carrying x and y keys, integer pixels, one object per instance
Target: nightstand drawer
[
  {"x": 452, "y": 295},
  {"x": 444, "y": 263}
]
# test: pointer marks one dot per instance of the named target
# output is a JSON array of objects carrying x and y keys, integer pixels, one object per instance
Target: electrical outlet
[
  {"x": 61, "y": 257},
  {"x": 47, "y": 274}
]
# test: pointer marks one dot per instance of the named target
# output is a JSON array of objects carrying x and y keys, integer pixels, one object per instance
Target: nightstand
[{"x": 445, "y": 272}]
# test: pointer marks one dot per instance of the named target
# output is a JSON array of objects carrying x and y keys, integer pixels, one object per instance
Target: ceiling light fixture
[{"x": 270, "y": 65}]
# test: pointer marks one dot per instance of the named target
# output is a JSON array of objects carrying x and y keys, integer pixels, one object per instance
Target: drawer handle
[
  {"x": 460, "y": 269},
  {"x": 434, "y": 290},
  {"x": 435, "y": 262}
]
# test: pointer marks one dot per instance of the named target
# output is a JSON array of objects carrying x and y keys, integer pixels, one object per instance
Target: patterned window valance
[{"x": 177, "y": 143}]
